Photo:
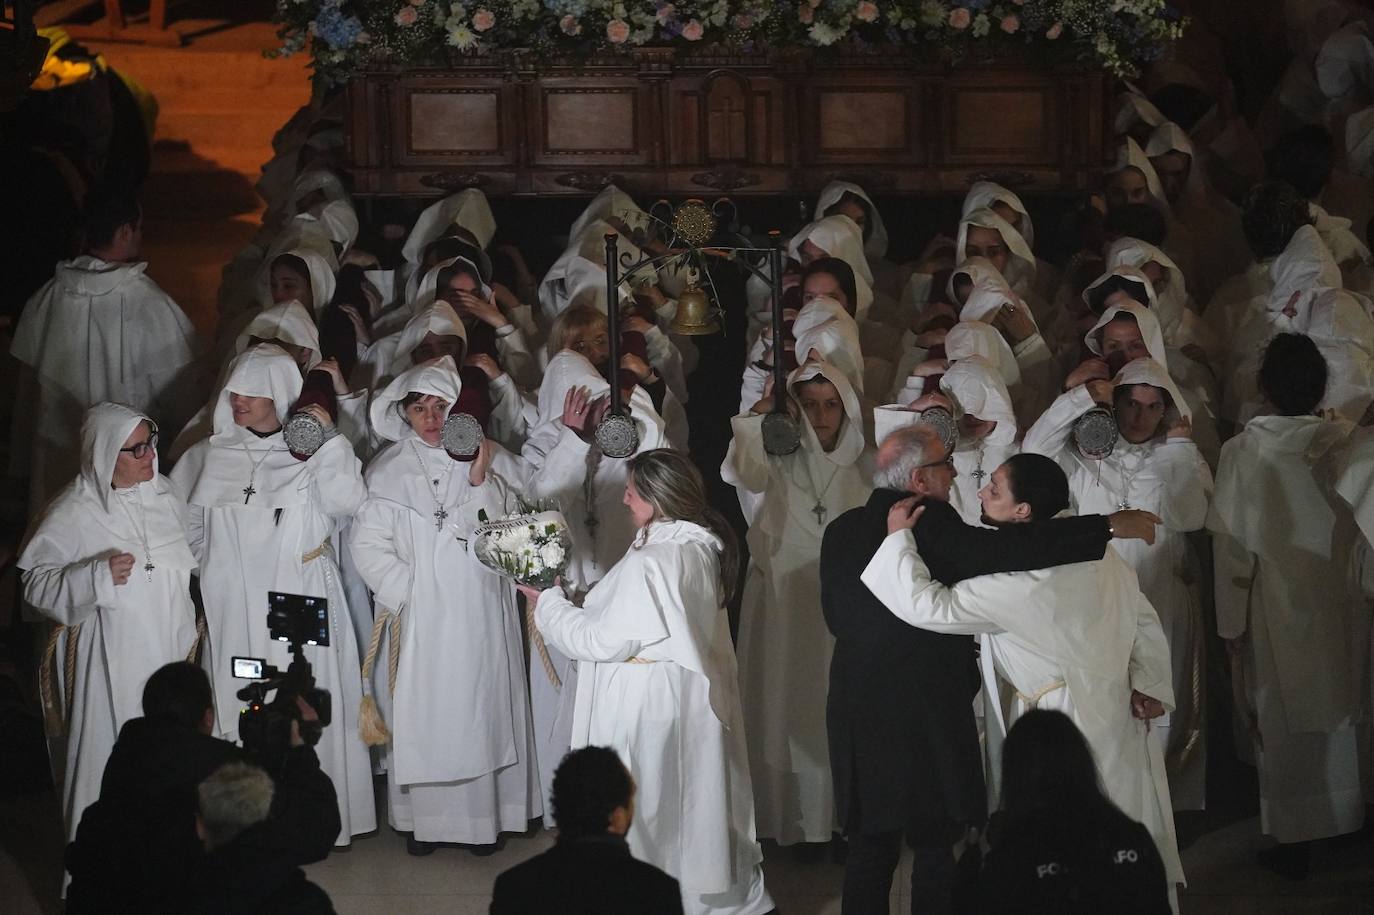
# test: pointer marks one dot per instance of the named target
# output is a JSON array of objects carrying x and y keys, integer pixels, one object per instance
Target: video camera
[{"x": 265, "y": 727}]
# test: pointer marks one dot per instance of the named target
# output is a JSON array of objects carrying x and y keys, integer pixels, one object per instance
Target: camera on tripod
[{"x": 265, "y": 727}]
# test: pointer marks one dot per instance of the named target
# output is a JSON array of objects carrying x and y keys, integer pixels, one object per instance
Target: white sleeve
[
  {"x": 1049, "y": 435},
  {"x": 746, "y": 463},
  {"x": 1186, "y": 485},
  {"x": 567, "y": 627},
  {"x": 1150, "y": 670},
  {"x": 516, "y": 358},
  {"x": 666, "y": 359},
  {"x": 898, "y": 577},
  {"x": 337, "y": 477},
  {"x": 378, "y": 543},
  {"x": 70, "y": 594},
  {"x": 1234, "y": 573}
]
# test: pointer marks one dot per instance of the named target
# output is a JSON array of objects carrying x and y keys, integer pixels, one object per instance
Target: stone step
[{"x": 189, "y": 69}]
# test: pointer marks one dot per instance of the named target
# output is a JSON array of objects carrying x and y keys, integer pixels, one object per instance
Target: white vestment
[
  {"x": 123, "y": 632},
  {"x": 457, "y": 771},
  {"x": 279, "y": 537},
  {"x": 1283, "y": 543},
  {"x": 784, "y": 646},
  {"x": 97, "y": 332},
  {"x": 1167, "y": 476},
  {"x": 1076, "y": 638},
  {"x": 675, "y": 722}
]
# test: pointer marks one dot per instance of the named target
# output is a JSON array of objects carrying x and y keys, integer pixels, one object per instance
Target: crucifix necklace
[
  {"x": 979, "y": 472},
  {"x": 440, "y": 513},
  {"x": 141, "y": 531},
  {"x": 248, "y": 491},
  {"x": 819, "y": 509}
]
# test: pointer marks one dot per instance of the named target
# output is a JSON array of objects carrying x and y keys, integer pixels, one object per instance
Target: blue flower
[{"x": 336, "y": 29}]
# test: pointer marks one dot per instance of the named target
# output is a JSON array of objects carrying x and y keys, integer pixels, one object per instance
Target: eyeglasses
[{"x": 141, "y": 449}]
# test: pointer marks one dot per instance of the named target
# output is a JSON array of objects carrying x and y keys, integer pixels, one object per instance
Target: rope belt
[
  {"x": 638, "y": 660},
  {"x": 327, "y": 547},
  {"x": 55, "y": 714},
  {"x": 1033, "y": 700},
  {"x": 537, "y": 640}
]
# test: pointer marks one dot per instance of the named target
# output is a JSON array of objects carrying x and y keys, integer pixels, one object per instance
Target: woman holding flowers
[
  {"x": 447, "y": 629},
  {"x": 657, "y": 683}
]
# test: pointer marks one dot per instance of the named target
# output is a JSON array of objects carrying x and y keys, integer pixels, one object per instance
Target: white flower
[
  {"x": 462, "y": 38},
  {"x": 823, "y": 34},
  {"x": 551, "y": 555}
]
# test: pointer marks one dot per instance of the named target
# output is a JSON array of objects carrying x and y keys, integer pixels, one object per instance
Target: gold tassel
[
  {"x": 53, "y": 718},
  {"x": 371, "y": 727}
]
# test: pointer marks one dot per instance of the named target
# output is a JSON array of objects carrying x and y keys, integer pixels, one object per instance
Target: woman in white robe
[
  {"x": 456, "y": 771},
  {"x": 784, "y": 646},
  {"x": 571, "y": 471},
  {"x": 1286, "y": 607},
  {"x": 1008, "y": 251},
  {"x": 659, "y": 687},
  {"x": 1133, "y": 179},
  {"x": 1007, "y": 204},
  {"x": 1155, "y": 467},
  {"x": 108, "y": 562},
  {"x": 260, "y": 520},
  {"x": 845, "y": 198},
  {"x": 467, "y": 210}
]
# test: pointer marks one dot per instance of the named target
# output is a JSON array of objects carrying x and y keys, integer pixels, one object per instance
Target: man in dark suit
[
  {"x": 589, "y": 869},
  {"x": 904, "y": 747}
]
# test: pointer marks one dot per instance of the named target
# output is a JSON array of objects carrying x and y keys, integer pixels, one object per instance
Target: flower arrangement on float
[{"x": 349, "y": 36}]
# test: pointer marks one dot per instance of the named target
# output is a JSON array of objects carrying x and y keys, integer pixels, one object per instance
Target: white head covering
[
  {"x": 611, "y": 202},
  {"x": 1020, "y": 272},
  {"x": 875, "y": 245},
  {"x": 851, "y": 441},
  {"x": 341, "y": 222},
  {"x": 1132, "y": 107},
  {"x": 304, "y": 230},
  {"x": 468, "y": 209},
  {"x": 316, "y": 179},
  {"x": 1130, "y": 155},
  {"x": 1359, "y": 143},
  {"x": 1345, "y": 65},
  {"x": 568, "y": 369},
  {"x": 838, "y": 236},
  {"x": 983, "y": 194},
  {"x": 1149, "y": 329},
  {"x": 1169, "y": 137},
  {"x": 436, "y": 318},
  {"x": 579, "y": 274},
  {"x": 1132, "y": 252},
  {"x": 438, "y": 377},
  {"x": 428, "y": 288},
  {"x": 823, "y": 324},
  {"x": 1306, "y": 267},
  {"x": 321, "y": 277},
  {"x": 1337, "y": 235},
  {"x": 1148, "y": 371},
  {"x": 974, "y": 338},
  {"x": 262, "y": 371},
  {"x": 104, "y": 430},
  {"x": 288, "y": 322},
  {"x": 990, "y": 292},
  {"x": 977, "y": 389}
]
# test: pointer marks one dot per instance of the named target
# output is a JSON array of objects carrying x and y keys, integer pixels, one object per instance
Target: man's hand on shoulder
[
  {"x": 1133, "y": 524},
  {"x": 904, "y": 514}
]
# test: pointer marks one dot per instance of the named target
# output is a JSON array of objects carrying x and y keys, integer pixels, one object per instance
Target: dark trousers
[{"x": 872, "y": 860}]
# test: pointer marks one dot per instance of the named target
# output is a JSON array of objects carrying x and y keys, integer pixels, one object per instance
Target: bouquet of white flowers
[{"x": 530, "y": 547}]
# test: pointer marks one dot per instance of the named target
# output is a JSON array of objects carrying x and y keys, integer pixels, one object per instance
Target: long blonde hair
[{"x": 671, "y": 483}]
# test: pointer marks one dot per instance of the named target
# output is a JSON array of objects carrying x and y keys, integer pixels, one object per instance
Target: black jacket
[
  {"x": 136, "y": 846},
  {"x": 250, "y": 876},
  {"x": 595, "y": 875},
  {"x": 904, "y": 747},
  {"x": 1062, "y": 863}
]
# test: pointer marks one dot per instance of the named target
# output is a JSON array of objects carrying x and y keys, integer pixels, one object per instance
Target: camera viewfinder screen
[{"x": 298, "y": 617}]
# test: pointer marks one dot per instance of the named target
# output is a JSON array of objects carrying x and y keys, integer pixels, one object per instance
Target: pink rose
[
  {"x": 617, "y": 31},
  {"x": 569, "y": 25},
  {"x": 1010, "y": 24},
  {"x": 959, "y": 18},
  {"x": 744, "y": 21},
  {"x": 406, "y": 15},
  {"x": 866, "y": 11},
  {"x": 805, "y": 14},
  {"x": 1055, "y": 31},
  {"x": 483, "y": 19},
  {"x": 665, "y": 13},
  {"x": 692, "y": 31}
]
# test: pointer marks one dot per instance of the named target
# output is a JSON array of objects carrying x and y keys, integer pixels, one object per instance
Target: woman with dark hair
[
  {"x": 1059, "y": 845},
  {"x": 833, "y": 277},
  {"x": 657, "y": 683}
]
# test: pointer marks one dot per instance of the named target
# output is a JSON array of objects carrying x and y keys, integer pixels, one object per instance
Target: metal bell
[{"x": 695, "y": 317}]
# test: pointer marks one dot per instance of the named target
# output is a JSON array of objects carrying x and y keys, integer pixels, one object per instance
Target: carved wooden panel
[
  {"x": 448, "y": 122},
  {"x": 1001, "y": 123},
  {"x": 455, "y": 121},
  {"x": 862, "y": 121},
  {"x": 590, "y": 120}
]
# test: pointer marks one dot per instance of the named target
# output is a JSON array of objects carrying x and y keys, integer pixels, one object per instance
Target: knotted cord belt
[
  {"x": 55, "y": 716},
  {"x": 1033, "y": 700},
  {"x": 537, "y": 640}
]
